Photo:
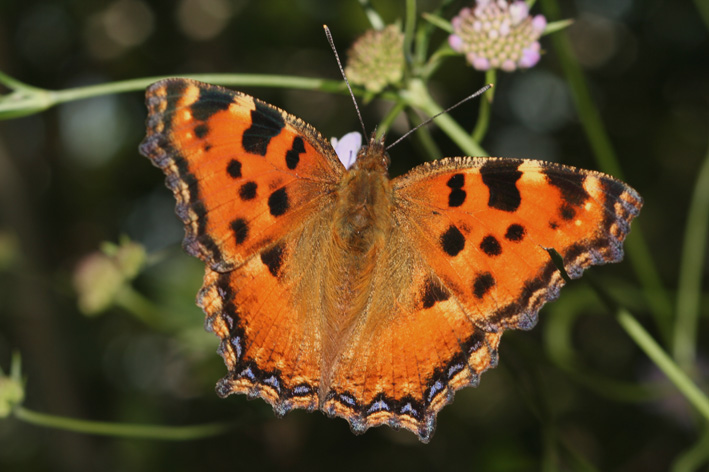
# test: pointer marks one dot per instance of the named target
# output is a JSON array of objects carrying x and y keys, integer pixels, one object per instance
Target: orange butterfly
[{"x": 369, "y": 298}]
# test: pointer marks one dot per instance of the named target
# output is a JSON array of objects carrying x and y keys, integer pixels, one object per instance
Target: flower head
[
  {"x": 100, "y": 276},
  {"x": 498, "y": 34},
  {"x": 12, "y": 389},
  {"x": 376, "y": 59}
]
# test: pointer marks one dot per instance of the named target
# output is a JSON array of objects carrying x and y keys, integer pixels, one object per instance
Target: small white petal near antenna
[{"x": 347, "y": 147}]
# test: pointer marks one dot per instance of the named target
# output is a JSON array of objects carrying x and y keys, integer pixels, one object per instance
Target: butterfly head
[{"x": 373, "y": 157}]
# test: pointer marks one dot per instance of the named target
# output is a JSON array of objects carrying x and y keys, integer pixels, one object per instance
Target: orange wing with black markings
[
  {"x": 497, "y": 219},
  {"x": 250, "y": 181},
  {"x": 244, "y": 173},
  {"x": 467, "y": 257}
]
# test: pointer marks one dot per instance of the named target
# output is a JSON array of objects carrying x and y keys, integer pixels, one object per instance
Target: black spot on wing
[
  {"x": 567, "y": 212},
  {"x": 457, "y": 195},
  {"x": 293, "y": 154},
  {"x": 491, "y": 246},
  {"x": 452, "y": 241},
  {"x": 266, "y": 123},
  {"x": 515, "y": 233},
  {"x": 456, "y": 181},
  {"x": 501, "y": 176},
  {"x": 433, "y": 293},
  {"x": 569, "y": 184},
  {"x": 248, "y": 190},
  {"x": 234, "y": 169},
  {"x": 211, "y": 101},
  {"x": 278, "y": 202},
  {"x": 201, "y": 130},
  {"x": 273, "y": 259},
  {"x": 241, "y": 230},
  {"x": 482, "y": 284}
]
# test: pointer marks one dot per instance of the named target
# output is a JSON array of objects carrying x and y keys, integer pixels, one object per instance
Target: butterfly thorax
[
  {"x": 373, "y": 156},
  {"x": 365, "y": 195}
]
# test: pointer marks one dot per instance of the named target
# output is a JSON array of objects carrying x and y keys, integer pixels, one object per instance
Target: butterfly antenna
[
  {"x": 342, "y": 71},
  {"x": 469, "y": 97}
]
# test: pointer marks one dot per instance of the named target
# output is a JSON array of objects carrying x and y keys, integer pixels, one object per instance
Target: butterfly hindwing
[
  {"x": 270, "y": 337},
  {"x": 414, "y": 347}
]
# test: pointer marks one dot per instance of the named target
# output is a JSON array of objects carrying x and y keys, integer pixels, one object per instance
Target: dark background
[{"x": 71, "y": 178}]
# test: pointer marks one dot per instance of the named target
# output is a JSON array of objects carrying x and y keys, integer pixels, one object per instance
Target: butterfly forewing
[
  {"x": 244, "y": 173},
  {"x": 484, "y": 226}
]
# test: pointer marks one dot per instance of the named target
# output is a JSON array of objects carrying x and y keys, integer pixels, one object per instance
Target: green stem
[
  {"x": 690, "y": 274},
  {"x": 485, "y": 105},
  {"x": 693, "y": 458},
  {"x": 417, "y": 96},
  {"x": 244, "y": 80},
  {"x": 26, "y": 100},
  {"x": 410, "y": 31},
  {"x": 638, "y": 251},
  {"x": 673, "y": 372},
  {"x": 385, "y": 124},
  {"x": 426, "y": 29},
  {"x": 374, "y": 19},
  {"x": 125, "y": 430},
  {"x": 425, "y": 142},
  {"x": 435, "y": 61},
  {"x": 139, "y": 306},
  {"x": 438, "y": 22},
  {"x": 562, "y": 319},
  {"x": 703, "y": 8}
]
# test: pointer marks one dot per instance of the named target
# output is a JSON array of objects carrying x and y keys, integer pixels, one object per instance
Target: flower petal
[{"x": 347, "y": 148}]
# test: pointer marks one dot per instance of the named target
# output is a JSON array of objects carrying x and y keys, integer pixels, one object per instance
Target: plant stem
[
  {"x": 690, "y": 273},
  {"x": 692, "y": 459},
  {"x": 417, "y": 96},
  {"x": 374, "y": 19},
  {"x": 653, "y": 350},
  {"x": 259, "y": 80},
  {"x": 139, "y": 306},
  {"x": 385, "y": 124},
  {"x": 125, "y": 430},
  {"x": 485, "y": 105},
  {"x": 25, "y": 100}
]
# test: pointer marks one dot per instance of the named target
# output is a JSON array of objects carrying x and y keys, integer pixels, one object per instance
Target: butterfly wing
[
  {"x": 253, "y": 186},
  {"x": 414, "y": 347},
  {"x": 497, "y": 219},
  {"x": 244, "y": 172},
  {"x": 466, "y": 258}
]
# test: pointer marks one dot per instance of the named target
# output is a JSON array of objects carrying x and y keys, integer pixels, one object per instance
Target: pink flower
[{"x": 498, "y": 34}]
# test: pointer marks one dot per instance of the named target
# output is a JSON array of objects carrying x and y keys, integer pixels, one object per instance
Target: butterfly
[{"x": 342, "y": 290}]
